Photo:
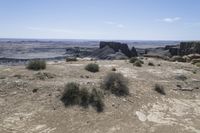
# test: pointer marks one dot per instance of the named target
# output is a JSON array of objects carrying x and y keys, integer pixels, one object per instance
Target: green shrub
[
  {"x": 74, "y": 95},
  {"x": 36, "y": 65},
  {"x": 138, "y": 63},
  {"x": 151, "y": 64},
  {"x": 84, "y": 97},
  {"x": 194, "y": 72},
  {"x": 69, "y": 59},
  {"x": 116, "y": 83},
  {"x": 71, "y": 94},
  {"x": 92, "y": 67},
  {"x": 142, "y": 62},
  {"x": 133, "y": 59},
  {"x": 160, "y": 89},
  {"x": 96, "y": 100}
]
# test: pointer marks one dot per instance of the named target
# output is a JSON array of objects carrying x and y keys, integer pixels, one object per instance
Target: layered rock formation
[
  {"x": 120, "y": 47},
  {"x": 185, "y": 48},
  {"x": 113, "y": 50}
]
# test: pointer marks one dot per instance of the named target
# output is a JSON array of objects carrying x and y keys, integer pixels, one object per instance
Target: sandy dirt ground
[{"x": 30, "y": 102}]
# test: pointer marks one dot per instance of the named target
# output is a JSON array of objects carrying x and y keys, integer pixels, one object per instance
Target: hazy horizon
[{"x": 172, "y": 20}]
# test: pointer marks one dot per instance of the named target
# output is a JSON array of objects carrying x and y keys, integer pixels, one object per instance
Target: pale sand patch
[
  {"x": 141, "y": 116},
  {"x": 172, "y": 112},
  {"x": 179, "y": 71},
  {"x": 109, "y": 66},
  {"x": 75, "y": 65},
  {"x": 127, "y": 72}
]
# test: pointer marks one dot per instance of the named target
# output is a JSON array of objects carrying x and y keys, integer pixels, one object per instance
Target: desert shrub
[
  {"x": 194, "y": 72},
  {"x": 142, "y": 62},
  {"x": 92, "y": 67},
  {"x": 151, "y": 64},
  {"x": 71, "y": 94},
  {"x": 44, "y": 75},
  {"x": 36, "y": 65},
  {"x": 133, "y": 59},
  {"x": 197, "y": 64},
  {"x": 138, "y": 63},
  {"x": 96, "y": 100},
  {"x": 181, "y": 77},
  {"x": 160, "y": 89},
  {"x": 113, "y": 69},
  {"x": 69, "y": 59},
  {"x": 74, "y": 95},
  {"x": 116, "y": 83},
  {"x": 84, "y": 97}
]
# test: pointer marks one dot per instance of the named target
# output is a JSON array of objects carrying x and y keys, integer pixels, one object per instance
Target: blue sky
[{"x": 101, "y": 19}]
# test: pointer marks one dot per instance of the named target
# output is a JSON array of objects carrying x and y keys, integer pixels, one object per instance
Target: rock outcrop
[
  {"x": 113, "y": 50},
  {"x": 184, "y": 48},
  {"x": 103, "y": 53},
  {"x": 187, "y": 48},
  {"x": 78, "y": 51},
  {"x": 159, "y": 52},
  {"x": 117, "y": 47}
]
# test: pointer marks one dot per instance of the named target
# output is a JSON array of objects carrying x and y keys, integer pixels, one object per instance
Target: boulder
[
  {"x": 116, "y": 46},
  {"x": 191, "y": 57},
  {"x": 178, "y": 59},
  {"x": 194, "y": 56},
  {"x": 195, "y": 61}
]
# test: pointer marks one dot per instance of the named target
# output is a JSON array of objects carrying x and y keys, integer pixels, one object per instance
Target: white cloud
[
  {"x": 114, "y": 24},
  {"x": 170, "y": 20}
]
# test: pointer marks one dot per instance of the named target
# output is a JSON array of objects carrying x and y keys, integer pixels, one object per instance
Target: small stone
[{"x": 34, "y": 90}]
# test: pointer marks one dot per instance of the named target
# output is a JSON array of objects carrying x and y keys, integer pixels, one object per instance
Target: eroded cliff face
[
  {"x": 187, "y": 48},
  {"x": 184, "y": 48},
  {"x": 117, "y": 47}
]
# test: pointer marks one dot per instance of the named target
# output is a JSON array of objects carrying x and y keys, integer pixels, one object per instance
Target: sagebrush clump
[
  {"x": 96, "y": 100},
  {"x": 71, "y": 94},
  {"x": 133, "y": 59},
  {"x": 160, "y": 89},
  {"x": 92, "y": 67},
  {"x": 36, "y": 65},
  {"x": 138, "y": 63},
  {"x": 75, "y": 95},
  {"x": 116, "y": 83},
  {"x": 151, "y": 64}
]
